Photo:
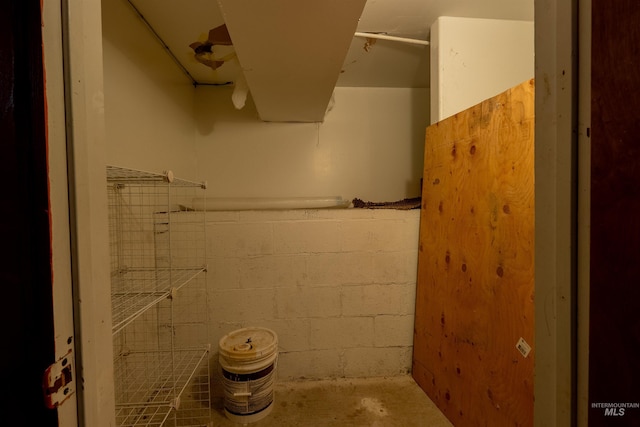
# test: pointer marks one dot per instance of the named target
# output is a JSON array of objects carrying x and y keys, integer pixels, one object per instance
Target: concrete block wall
[{"x": 336, "y": 285}]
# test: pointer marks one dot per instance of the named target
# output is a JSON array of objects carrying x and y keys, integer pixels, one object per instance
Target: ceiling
[
  {"x": 386, "y": 64},
  {"x": 366, "y": 63}
]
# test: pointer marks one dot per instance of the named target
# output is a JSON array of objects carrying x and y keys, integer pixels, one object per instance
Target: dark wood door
[
  {"x": 25, "y": 273},
  {"x": 614, "y": 312},
  {"x": 474, "y": 304}
]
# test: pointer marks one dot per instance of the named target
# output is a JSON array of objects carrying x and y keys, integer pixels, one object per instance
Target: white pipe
[
  {"x": 392, "y": 38},
  {"x": 267, "y": 203}
]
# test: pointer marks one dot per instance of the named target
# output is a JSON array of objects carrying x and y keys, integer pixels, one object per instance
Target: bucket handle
[{"x": 242, "y": 394}]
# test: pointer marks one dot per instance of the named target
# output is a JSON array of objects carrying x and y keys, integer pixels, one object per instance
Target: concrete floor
[{"x": 371, "y": 402}]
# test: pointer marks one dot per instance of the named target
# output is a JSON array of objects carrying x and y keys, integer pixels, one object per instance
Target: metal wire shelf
[
  {"x": 117, "y": 174},
  {"x": 158, "y": 299},
  {"x": 143, "y": 288},
  {"x": 160, "y": 395}
]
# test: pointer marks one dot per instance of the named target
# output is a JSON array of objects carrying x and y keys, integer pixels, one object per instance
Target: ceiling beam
[{"x": 291, "y": 52}]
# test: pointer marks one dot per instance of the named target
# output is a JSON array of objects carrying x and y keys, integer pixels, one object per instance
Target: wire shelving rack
[{"x": 158, "y": 299}]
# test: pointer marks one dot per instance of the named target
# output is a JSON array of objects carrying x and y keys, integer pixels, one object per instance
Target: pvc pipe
[
  {"x": 392, "y": 38},
  {"x": 267, "y": 203}
]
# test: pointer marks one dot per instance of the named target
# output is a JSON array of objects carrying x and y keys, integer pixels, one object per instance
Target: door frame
[
  {"x": 59, "y": 199},
  {"x": 556, "y": 41},
  {"x": 584, "y": 212},
  {"x": 77, "y": 110}
]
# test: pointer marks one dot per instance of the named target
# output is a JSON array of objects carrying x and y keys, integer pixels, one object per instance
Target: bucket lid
[{"x": 248, "y": 344}]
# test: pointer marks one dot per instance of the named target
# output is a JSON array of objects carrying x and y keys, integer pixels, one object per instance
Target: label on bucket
[{"x": 249, "y": 396}]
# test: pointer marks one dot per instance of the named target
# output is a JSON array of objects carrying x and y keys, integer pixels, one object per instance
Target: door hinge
[{"x": 58, "y": 381}]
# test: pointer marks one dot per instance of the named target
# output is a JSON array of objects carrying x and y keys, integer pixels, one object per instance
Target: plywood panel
[{"x": 476, "y": 263}]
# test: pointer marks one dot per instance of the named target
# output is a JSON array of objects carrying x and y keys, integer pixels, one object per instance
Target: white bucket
[{"x": 248, "y": 359}]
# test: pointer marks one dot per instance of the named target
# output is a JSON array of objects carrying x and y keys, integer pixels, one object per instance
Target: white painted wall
[
  {"x": 336, "y": 285},
  {"x": 148, "y": 101},
  {"x": 370, "y": 146},
  {"x": 475, "y": 59}
]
